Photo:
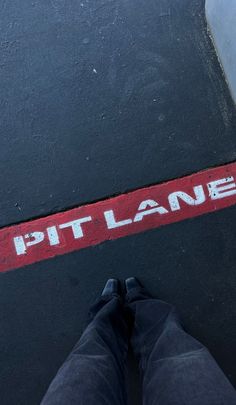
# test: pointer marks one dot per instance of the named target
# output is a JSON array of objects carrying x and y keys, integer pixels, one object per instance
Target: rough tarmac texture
[{"x": 99, "y": 97}]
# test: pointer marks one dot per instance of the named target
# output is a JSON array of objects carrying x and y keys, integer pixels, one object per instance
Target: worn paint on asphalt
[{"x": 120, "y": 216}]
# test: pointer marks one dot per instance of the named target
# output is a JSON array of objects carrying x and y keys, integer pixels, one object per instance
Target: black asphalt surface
[{"x": 99, "y": 97}]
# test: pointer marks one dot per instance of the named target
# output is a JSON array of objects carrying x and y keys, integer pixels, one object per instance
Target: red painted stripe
[{"x": 50, "y": 236}]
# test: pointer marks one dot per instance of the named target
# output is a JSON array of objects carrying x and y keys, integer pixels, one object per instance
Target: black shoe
[
  {"x": 112, "y": 287},
  {"x": 131, "y": 284},
  {"x": 135, "y": 290}
]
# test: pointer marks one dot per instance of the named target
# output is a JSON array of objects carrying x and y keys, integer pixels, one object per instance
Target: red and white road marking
[{"x": 127, "y": 214}]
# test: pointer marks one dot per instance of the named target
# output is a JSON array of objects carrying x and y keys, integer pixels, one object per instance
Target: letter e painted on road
[{"x": 222, "y": 188}]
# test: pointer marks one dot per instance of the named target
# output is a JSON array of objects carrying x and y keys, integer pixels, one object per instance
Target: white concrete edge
[{"x": 221, "y": 19}]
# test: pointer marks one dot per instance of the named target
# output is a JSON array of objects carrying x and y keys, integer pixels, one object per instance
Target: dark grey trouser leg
[
  {"x": 94, "y": 372},
  {"x": 176, "y": 368}
]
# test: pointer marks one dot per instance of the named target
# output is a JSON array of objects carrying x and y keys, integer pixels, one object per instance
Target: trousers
[{"x": 175, "y": 368}]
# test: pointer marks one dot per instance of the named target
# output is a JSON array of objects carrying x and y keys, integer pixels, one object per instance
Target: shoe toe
[
  {"x": 111, "y": 287},
  {"x": 131, "y": 283}
]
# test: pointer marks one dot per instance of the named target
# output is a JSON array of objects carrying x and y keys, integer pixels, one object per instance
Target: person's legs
[
  {"x": 176, "y": 368},
  {"x": 94, "y": 372}
]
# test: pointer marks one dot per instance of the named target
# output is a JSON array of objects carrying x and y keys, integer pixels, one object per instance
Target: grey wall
[{"x": 221, "y": 17}]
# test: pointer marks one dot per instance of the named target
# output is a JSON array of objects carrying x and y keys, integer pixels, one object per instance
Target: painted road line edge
[{"x": 120, "y": 216}]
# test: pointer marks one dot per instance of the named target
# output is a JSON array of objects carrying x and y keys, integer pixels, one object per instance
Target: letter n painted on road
[{"x": 127, "y": 214}]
